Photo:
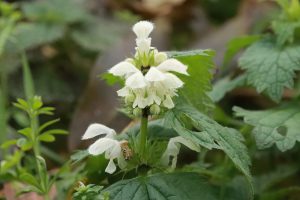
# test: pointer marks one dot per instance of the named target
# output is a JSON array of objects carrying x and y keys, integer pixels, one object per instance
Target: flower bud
[
  {"x": 129, "y": 99},
  {"x": 154, "y": 109},
  {"x": 137, "y": 112}
]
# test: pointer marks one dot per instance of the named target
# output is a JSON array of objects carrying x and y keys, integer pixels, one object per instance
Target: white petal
[
  {"x": 140, "y": 102},
  {"x": 111, "y": 167},
  {"x": 153, "y": 97},
  {"x": 123, "y": 92},
  {"x": 172, "y": 81},
  {"x": 101, "y": 145},
  {"x": 115, "y": 152},
  {"x": 123, "y": 69},
  {"x": 174, "y": 147},
  {"x": 143, "y": 29},
  {"x": 173, "y": 65},
  {"x": 168, "y": 102},
  {"x": 97, "y": 129},
  {"x": 136, "y": 80},
  {"x": 154, "y": 75},
  {"x": 143, "y": 45}
]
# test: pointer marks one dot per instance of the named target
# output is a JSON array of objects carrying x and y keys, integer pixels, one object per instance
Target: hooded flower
[
  {"x": 107, "y": 144},
  {"x": 149, "y": 80},
  {"x": 173, "y": 148}
]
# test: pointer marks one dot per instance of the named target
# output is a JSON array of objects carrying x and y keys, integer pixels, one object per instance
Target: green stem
[
  {"x": 143, "y": 132},
  {"x": 36, "y": 150}
]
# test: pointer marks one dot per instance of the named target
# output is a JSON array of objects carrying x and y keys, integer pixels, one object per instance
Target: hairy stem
[{"x": 143, "y": 132}]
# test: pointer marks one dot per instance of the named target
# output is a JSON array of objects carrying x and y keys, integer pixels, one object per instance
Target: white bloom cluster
[
  {"x": 107, "y": 144},
  {"x": 148, "y": 78}
]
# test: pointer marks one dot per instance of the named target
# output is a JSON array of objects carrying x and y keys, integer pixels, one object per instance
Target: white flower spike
[
  {"x": 173, "y": 149},
  {"x": 107, "y": 144},
  {"x": 148, "y": 76},
  {"x": 143, "y": 29}
]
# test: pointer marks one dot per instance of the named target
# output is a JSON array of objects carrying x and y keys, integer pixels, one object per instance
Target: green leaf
[
  {"x": 79, "y": 155},
  {"x": 111, "y": 79},
  {"x": 46, "y": 138},
  {"x": 55, "y": 11},
  {"x": 198, "y": 83},
  {"x": 210, "y": 134},
  {"x": 24, "y": 144},
  {"x": 10, "y": 161},
  {"x": 26, "y": 132},
  {"x": 176, "y": 186},
  {"x": 285, "y": 31},
  {"x": 8, "y": 144},
  {"x": 29, "y": 179},
  {"x": 27, "y": 78},
  {"x": 278, "y": 125},
  {"x": 56, "y": 131},
  {"x": 43, "y": 33},
  {"x": 222, "y": 86},
  {"x": 47, "y": 124},
  {"x": 236, "y": 44},
  {"x": 270, "y": 68},
  {"x": 92, "y": 36}
]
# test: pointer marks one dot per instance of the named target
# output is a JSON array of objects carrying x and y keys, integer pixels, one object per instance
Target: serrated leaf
[
  {"x": 94, "y": 37},
  {"x": 198, "y": 83},
  {"x": 236, "y": 44},
  {"x": 270, "y": 68},
  {"x": 55, "y": 11},
  {"x": 278, "y": 125},
  {"x": 43, "y": 33},
  {"x": 222, "y": 86},
  {"x": 111, "y": 79},
  {"x": 210, "y": 134},
  {"x": 285, "y": 31},
  {"x": 176, "y": 186}
]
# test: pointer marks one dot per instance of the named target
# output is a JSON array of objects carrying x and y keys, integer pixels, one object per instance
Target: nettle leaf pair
[
  {"x": 172, "y": 86},
  {"x": 270, "y": 65}
]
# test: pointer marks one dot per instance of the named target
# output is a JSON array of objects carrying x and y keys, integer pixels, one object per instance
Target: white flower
[
  {"x": 173, "y": 65},
  {"x": 173, "y": 149},
  {"x": 123, "y": 69},
  {"x": 162, "y": 84},
  {"x": 106, "y": 144},
  {"x": 143, "y": 29},
  {"x": 137, "y": 80}
]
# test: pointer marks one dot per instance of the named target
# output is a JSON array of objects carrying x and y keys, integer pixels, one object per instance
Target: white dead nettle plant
[
  {"x": 107, "y": 144},
  {"x": 150, "y": 84},
  {"x": 148, "y": 78}
]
